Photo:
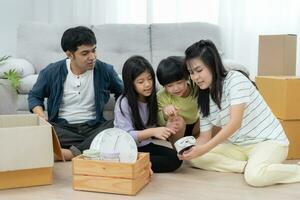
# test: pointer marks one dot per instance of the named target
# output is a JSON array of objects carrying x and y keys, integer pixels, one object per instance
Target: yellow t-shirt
[{"x": 187, "y": 106}]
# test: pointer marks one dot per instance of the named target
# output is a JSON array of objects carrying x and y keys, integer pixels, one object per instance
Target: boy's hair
[
  {"x": 74, "y": 37},
  {"x": 132, "y": 68},
  {"x": 171, "y": 69}
]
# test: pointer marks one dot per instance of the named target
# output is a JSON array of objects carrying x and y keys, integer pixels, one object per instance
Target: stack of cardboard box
[
  {"x": 282, "y": 95},
  {"x": 279, "y": 86}
]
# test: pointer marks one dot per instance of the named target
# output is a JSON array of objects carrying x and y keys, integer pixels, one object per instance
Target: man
[{"x": 77, "y": 89}]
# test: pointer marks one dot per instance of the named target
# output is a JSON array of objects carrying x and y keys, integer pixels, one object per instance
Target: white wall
[{"x": 12, "y": 12}]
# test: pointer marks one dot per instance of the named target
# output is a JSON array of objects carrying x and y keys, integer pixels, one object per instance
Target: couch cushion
[
  {"x": 173, "y": 39},
  {"x": 117, "y": 42},
  {"x": 22, "y": 66},
  {"x": 27, "y": 83},
  {"x": 39, "y": 43}
]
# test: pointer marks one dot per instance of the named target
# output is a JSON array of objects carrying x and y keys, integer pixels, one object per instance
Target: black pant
[
  {"x": 78, "y": 137},
  {"x": 163, "y": 159}
]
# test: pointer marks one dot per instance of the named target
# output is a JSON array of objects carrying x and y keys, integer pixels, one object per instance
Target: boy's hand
[{"x": 170, "y": 110}]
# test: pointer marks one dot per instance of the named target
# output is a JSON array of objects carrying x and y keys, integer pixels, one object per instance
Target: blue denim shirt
[{"x": 50, "y": 85}]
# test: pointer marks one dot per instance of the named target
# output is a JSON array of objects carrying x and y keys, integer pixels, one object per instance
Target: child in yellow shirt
[{"x": 177, "y": 100}]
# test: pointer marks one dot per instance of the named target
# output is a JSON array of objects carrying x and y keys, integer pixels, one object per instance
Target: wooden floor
[{"x": 186, "y": 183}]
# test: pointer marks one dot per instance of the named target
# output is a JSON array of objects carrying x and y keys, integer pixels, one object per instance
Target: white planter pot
[{"x": 8, "y": 98}]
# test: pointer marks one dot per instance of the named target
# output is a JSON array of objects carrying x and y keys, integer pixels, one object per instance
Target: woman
[{"x": 251, "y": 139}]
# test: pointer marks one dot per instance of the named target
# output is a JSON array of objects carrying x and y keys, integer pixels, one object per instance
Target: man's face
[{"x": 83, "y": 59}]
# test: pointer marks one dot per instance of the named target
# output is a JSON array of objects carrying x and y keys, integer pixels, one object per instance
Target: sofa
[{"x": 38, "y": 44}]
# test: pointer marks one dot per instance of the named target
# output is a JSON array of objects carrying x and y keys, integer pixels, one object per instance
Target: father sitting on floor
[{"x": 77, "y": 89}]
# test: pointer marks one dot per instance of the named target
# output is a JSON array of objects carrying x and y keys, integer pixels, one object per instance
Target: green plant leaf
[
  {"x": 14, "y": 78},
  {"x": 3, "y": 58}
]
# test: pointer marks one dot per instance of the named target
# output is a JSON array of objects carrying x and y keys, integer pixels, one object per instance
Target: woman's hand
[
  {"x": 163, "y": 133},
  {"x": 193, "y": 152}
]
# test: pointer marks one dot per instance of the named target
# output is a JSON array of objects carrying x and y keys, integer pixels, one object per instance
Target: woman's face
[
  {"x": 200, "y": 73},
  {"x": 143, "y": 85}
]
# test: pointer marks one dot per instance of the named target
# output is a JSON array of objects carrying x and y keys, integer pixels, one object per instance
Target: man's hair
[{"x": 77, "y": 36}]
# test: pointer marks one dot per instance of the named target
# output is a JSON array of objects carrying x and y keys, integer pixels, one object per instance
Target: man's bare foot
[{"x": 67, "y": 153}]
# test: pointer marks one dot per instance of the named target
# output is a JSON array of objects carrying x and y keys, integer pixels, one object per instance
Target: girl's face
[
  {"x": 178, "y": 88},
  {"x": 200, "y": 73},
  {"x": 143, "y": 85}
]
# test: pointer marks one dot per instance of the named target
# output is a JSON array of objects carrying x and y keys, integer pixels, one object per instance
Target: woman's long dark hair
[
  {"x": 132, "y": 68},
  {"x": 206, "y": 51}
]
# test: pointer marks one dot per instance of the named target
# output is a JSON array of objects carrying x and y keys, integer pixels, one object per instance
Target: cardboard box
[
  {"x": 277, "y": 55},
  {"x": 27, "y": 143},
  {"x": 111, "y": 177},
  {"x": 292, "y": 130},
  {"x": 281, "y": 94}
]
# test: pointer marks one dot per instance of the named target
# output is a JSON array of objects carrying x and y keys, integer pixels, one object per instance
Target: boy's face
[
  {"x": 83, "y": 59},
  {"x": 178, "y": 88}
]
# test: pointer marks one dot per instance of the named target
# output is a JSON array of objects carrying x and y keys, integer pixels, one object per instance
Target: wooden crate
[{"x": 111, "y": 177}]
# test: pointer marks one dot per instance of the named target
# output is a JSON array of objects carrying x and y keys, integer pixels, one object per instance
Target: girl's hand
[
  {"x": 170, "y": 110},
  {"x": 163, "y": 133},
  {"x": 193, "y": 152}
]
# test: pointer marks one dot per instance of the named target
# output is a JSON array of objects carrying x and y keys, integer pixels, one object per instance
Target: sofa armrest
[
  {"x": 233, "y": 65},
  {"x": 22, "y": 66}
]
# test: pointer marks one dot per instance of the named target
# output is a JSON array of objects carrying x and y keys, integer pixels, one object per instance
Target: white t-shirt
[
  {"x": 259, "y": 123},
  {"x": 78, "y": 102}
]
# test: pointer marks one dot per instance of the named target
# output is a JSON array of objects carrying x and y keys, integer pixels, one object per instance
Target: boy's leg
[
  {"x": 223, "y": 158},
  {"x": 264, "y": 165}
]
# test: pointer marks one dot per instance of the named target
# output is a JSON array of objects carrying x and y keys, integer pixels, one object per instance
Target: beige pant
[{"x": 260, "y": 163}]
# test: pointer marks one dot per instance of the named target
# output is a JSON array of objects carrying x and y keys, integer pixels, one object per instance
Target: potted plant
[{"x": 11, "y": 75}]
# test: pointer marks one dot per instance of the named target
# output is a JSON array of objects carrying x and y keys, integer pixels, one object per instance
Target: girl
[
  {"x": 251, "y": 140},
  {"x": 177, "y": 100},
  {"x": 136, "y": 113}
]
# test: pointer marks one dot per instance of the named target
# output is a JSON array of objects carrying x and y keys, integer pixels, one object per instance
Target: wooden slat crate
[{"x": 111, "y": 177}]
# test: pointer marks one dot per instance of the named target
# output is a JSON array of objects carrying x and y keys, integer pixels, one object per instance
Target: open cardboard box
[{"x": 27, "y": 147}]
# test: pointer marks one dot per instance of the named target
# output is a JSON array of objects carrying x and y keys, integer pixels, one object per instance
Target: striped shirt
[{"x": 259, "y": 123}]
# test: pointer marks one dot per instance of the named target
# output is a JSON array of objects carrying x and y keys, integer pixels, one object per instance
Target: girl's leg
[
  {"x": 223, "y": 158},
  {"x": 163, "y": 159},
  {"x": 179, "y": 124},
  {"x": 264, "y": 165}
]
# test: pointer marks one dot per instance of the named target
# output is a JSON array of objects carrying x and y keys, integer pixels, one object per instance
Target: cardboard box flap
[
  {"x": 27, "y": 142},
  {"x": 56, "y": 146}
]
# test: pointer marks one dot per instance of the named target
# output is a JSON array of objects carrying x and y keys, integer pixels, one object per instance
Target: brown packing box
[
  {"x": 111, "y": 177},
  {"x": 27, "y": 143},
  {"x": 292, "y": 130},
  {"x": 281, "y": 94},
  {"x": 277, "y": 55}
]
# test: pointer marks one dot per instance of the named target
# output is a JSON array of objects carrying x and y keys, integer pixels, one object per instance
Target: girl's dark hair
[
  {"x": 132, "y": 68},
  {"x": 74, "y": 37},
  {"x": 206, "y": 51},
  {"x": 171, "y": 69}
]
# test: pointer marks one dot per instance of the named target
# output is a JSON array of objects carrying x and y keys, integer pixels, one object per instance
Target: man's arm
[
  {"x": 38, "y": 93},
  {"x": 116, "y": 84}
]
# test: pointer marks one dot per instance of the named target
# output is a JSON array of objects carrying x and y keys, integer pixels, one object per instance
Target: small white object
[
  {"x": 91, "y": 154},
  {"x": 115, "y": 144},
  {"x": 184, "y": 144}
]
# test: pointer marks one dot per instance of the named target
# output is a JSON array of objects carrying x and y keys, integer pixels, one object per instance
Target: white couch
[{"x": 38, "y": 44}]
